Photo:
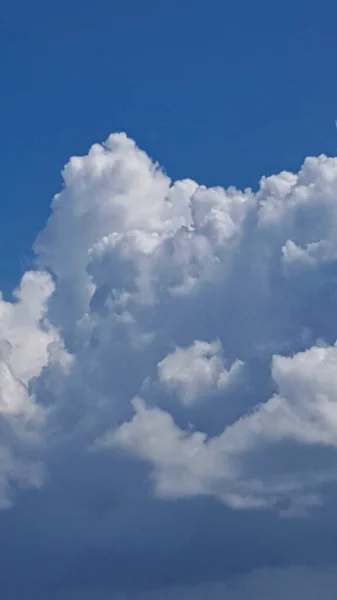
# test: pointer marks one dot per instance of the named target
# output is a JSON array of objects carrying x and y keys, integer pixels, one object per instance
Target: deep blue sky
[{"x": 220, "y": 91}]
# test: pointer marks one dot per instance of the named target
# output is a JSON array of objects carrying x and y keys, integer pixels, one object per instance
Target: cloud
[
  {"x": 292, "y": 583},
  {"x": 302, "y": 412},
  {"x": 196, "y": 371},
  {"x": 174, "y": 346},
  {"x": 25, "y": 336}
]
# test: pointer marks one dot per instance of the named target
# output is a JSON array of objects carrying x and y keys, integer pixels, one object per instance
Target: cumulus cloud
[
  {"x": 25, "y": 336},
  {"x": 291, "y": 583},
  {"x": 197, "y": 370},
  {"x": 135, "y": 258},
  {"x": 185, "y": 333}
]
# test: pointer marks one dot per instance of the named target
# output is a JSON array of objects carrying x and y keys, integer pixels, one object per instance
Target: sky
[
  {"x": 251, "y": 82},
  {"x": 168, "y": 261}
]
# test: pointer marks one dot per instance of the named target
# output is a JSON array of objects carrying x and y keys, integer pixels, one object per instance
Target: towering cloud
[{"x": 182, "y": 333}]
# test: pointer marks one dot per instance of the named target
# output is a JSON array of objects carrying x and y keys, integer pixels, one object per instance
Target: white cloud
[
  {"x": 197, "y": 370},
  {"x": 146, "y": 288},
  {"x": 133, "y": 258},
  {"x": 24, "y": 328}
]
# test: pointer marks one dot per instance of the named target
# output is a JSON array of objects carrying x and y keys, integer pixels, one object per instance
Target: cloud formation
[
  {"x": 196, "y": 371},
  {"x": 182, "y": 333}
]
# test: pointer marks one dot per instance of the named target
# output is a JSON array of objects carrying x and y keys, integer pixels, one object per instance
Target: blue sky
[
  {"x": 222, "y": 92},
  {"x": 168, "y": 361}
]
